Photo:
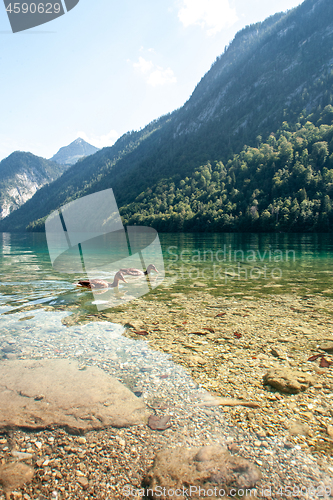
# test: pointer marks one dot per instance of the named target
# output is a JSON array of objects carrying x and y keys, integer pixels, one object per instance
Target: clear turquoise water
[
  {"x": 35, "y": 299},
  {"x": 253, "y": 264}
]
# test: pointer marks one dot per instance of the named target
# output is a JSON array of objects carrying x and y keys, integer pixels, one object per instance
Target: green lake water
[
  {"x": 35, "y": 299},
  {"x": 226, "y": 264},
  {"x": 252, "y": 264}
]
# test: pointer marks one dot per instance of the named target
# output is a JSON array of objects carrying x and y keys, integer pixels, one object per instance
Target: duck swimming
[
  {"x": 131, "y": 271},
  {"x": 97, "y": 284}
]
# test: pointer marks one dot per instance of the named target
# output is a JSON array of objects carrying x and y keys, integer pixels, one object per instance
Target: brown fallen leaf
[
  {"x": 324, "y": 363},
  {"x": 141, "y": 332},
  {"x": 220, "y": 315},
  {"x": 157, "y": 423},
  {"x": 237, "y": 335},
  {"x": 313, "y": 358},
  {"x": 229, "y": 402}
]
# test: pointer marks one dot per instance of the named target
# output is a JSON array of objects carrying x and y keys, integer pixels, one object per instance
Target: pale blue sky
[{"x": 105, "y": 68}]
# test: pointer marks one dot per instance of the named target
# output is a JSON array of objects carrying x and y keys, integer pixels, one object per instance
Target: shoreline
[{"x": 198, "y": 331}]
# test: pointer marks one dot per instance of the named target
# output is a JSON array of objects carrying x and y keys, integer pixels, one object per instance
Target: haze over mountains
[{"x": 252, "y": 148}]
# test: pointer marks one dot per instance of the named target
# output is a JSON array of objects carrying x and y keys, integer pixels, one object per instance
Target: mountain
[
  {"x": 21, "y": 175},
  {"x": 68, "y": 155},
  {"x": 252, "y": 141}
]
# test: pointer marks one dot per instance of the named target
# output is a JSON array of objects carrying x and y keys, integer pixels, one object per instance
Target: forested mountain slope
[
  {"x": 273, "y": 72},
  {"x": 283, "y": 184}
]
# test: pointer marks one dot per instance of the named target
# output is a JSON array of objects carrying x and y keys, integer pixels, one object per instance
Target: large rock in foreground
[
  {"x": 288, "y": 381},
  {"x": 55, "y": 393},
  {"x": 210, "y": 471},
  {"x": 14, "y": 476}
]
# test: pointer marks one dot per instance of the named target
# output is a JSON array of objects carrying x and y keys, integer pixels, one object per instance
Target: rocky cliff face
[
  {"x": 21, "y": 175},
  {"x": 270, "y": 70},
  {"x": 26, "y": 186}
]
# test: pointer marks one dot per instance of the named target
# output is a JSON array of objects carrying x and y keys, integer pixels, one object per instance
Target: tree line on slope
[{"x": 283, "y": 184}]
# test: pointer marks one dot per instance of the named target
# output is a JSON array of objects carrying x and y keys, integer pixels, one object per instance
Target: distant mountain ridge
[
  {"x": 69, "y": 155},
  {"x": 275, "y": 72},
  {"x": 21, "y": 175}
]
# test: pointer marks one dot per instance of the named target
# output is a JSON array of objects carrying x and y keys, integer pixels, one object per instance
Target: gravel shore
[{"x": 180, "y": 355}]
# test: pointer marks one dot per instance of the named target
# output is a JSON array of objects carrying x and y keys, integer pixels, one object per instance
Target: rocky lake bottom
[
  {"x": 216, "y": 384},
  {"x": 218, "y": 380}
]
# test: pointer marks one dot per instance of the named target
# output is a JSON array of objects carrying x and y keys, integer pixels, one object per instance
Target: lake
[
  {"x": 249, "y": 263},
  {"x": 45, "y": 315}
]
